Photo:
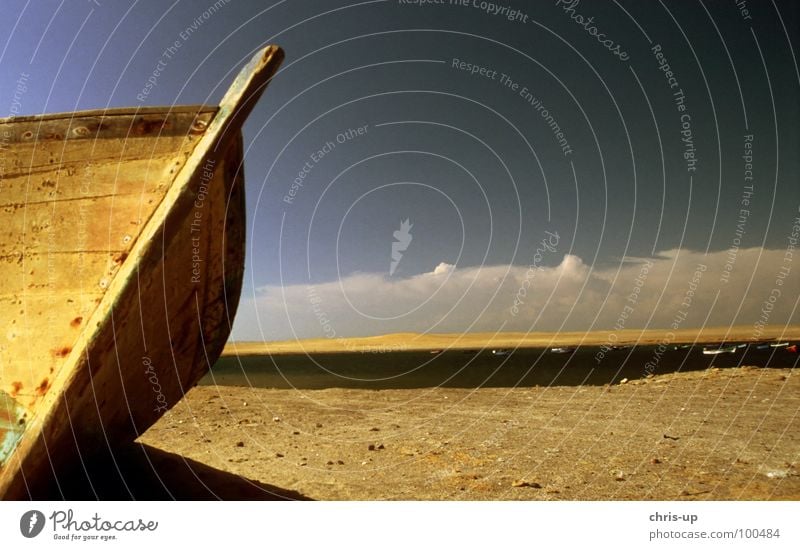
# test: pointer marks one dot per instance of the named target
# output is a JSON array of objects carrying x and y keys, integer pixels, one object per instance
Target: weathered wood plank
[
  {"x": 129, "y": 176},
  {"x": 95, "y": 125},
  {"x": 38, "y": 334},
  {"x": 92, "y": 224},
  {"x": 33, "y": 274},
  {"x": 39, "y": 161}
]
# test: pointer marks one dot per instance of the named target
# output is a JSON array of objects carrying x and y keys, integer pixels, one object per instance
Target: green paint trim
[{"x": 12, "y": 426}]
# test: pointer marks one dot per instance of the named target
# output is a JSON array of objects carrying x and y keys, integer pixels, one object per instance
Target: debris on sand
[{"x": 523, "y": 483}]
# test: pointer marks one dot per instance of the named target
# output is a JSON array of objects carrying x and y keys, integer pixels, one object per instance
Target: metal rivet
[
  {"x": 126, "y": 239},
  {"x": 103, "y": 283}
]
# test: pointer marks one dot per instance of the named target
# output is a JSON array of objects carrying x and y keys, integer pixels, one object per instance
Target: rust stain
[
  {"x": 42, "y": 388},
  {"x": 16, "y": 387},
  {"x": 76, "y": 322},
  {"x": 62, "y": 352},
  {"x": 144, "y": 127},
  {"x": 120, "y": 257}
]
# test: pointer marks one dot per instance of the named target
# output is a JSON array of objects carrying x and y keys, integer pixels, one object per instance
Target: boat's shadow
[{"x": 141, "y": 472}]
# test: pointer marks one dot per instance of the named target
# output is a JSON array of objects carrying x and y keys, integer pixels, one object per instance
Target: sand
[
  {"x": 410, "y": 341},
  {"x": 729, "y": 433}
]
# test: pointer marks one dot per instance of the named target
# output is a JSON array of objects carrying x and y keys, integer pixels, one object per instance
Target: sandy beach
[{"x": 731, "y": 433}]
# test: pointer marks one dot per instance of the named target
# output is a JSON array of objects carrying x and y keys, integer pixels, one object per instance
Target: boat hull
[
  {"x": 124, "y": 260},
  {"x": 161, "y": 335}
]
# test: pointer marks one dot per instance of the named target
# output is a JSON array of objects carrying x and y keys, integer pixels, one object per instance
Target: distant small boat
[
  {"x": 719, "y": 350},
  {"x": 619, "y": 348},
  {"x": 792, "y": 348},
  {"x": 500, "y": 352},
  {"x": 123, "y": 258},
  {"x": 763, "y": 346},
  {"x": 436, "y": 351},
  {"x": 562, "y": 350},
  {"x": 779, "y": 344},
  {"x": 682, "y": 346}
]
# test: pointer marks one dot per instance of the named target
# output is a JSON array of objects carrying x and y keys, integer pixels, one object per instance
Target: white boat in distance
[{"x": 720, "y": 350}]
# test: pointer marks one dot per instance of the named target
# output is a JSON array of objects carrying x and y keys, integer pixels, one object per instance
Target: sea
[{"x": 476, "y": 368}]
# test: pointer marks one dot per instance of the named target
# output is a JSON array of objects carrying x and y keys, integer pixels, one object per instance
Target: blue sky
[{"x": 474, "y": 160}]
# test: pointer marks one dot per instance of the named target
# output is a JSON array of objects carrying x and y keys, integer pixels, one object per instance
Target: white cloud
[
  {"x": 636, "y": 292},
  {"x": 443, "y": 268}
]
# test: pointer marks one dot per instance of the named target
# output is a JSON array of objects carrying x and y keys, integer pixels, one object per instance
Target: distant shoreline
[{"x": 409, "y": 341}]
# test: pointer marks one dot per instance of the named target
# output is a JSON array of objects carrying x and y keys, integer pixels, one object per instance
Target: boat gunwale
[{"x": 114, "y": 111}]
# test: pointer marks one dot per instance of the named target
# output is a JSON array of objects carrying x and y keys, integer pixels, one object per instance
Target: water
[{"x": 472, "y": 369}]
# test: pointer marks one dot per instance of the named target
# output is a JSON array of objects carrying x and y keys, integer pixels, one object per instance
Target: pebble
[
  {"x": 371, "y": 447},
  {"x": 329, "y": 463},
  {"x": 276, "y": 418},
  {"x": 295, "y": 432},
  {"x": 278, "y": 455},
  {"x": 340, "y": 462},
  {"x": 523, "y": 483},
  {"x": 318, "y": 425},
  {"x": 374, "y": 429},
  {"x": 240, "y": 443},
  {"x": 623, "y": 381},
  {"x": 655, "y": 461}
]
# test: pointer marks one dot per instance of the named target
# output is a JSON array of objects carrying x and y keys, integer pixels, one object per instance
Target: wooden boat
[{"x": 122, "y": 249}]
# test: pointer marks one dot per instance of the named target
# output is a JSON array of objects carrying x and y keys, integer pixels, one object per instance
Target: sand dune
[{"x": 410, "y": 341}]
